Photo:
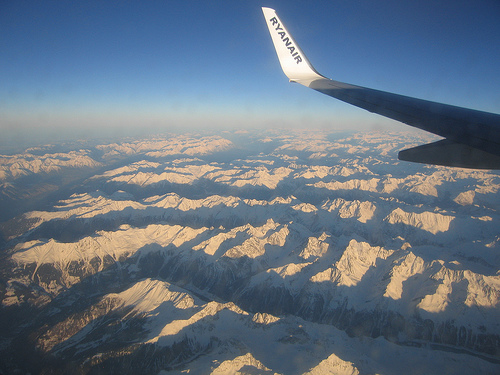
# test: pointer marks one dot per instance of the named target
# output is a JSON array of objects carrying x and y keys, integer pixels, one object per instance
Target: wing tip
[{"x": 293, "y": 61}]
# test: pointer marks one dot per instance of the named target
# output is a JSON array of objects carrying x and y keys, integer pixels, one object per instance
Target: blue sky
[{"x": 78, "y": 68}]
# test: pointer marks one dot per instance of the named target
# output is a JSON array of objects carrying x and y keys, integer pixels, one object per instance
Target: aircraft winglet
[{"x": 292, "y": 60}]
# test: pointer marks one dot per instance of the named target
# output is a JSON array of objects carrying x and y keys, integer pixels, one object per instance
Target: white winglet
[{"x": 293, "y": 61}]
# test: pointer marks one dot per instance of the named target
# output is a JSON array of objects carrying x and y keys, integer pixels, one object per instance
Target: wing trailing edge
[
  {"x": 472, "y": 137},
  {"x": 451, "y": 154}
]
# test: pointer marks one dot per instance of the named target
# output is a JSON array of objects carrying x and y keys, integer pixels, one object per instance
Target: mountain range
[{"x": 278, "y": 251}]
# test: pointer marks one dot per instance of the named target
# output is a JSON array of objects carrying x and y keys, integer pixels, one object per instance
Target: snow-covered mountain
[{"x": 273, "y": 252}]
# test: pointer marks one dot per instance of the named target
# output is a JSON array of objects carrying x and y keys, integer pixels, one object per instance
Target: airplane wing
[{"x": 472, "y": 138}]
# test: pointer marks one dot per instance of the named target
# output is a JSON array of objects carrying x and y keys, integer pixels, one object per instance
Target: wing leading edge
[{"x": 472, "y": 137}]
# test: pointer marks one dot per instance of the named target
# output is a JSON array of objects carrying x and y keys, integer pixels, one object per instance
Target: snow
[
  {"x": 209, "y": 310},
  {"x": 313, "y": 222},
  {"x": 259, "y": 176},
  {"x": 263, "y": 318},
  {"x": 356, "y": 260},
  {"x": 146, "y": 173},
  {"x": 316, "y": 246},
  {"x": 465, "y": 198},
  {"x": 411, "y": 265},
  {"x": 363, "y": 211},
  {"x": 115, "y": 246},
  {"x": 354, "y": 184},
  {"x": 241, "y": 365},
  {"x": 283, "y": 346},
  {"x": 335, "y": 366},
  {"x": 289, "y": 269},
  {"x": 428, "y": 221},
  {"x": 148, "y": 295},
  {"x": 174, "y": 145},
  {"x": 19, "y": 165},
  {"x": 465, "y": 286}
]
